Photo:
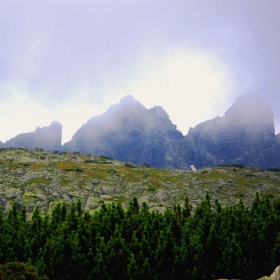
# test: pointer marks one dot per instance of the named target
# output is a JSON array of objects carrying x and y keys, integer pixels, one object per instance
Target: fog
[{"x": 70, "y": 60}]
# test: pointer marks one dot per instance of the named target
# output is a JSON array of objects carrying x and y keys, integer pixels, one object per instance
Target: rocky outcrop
[
  {"x": 47, "y": 138},
  {"x": 274, "y": 276},
  {"x": 245, "y": 135},
  {"x": 44, "y": 178},
  {"x": 2, "y": 145},
  {"x": 128, "y": 131}
]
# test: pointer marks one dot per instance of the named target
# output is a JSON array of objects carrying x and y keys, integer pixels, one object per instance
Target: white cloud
[{"x": 191, "y": 86}]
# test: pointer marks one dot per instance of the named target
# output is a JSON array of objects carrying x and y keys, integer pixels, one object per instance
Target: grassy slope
[{"x": 33, "y": 172}]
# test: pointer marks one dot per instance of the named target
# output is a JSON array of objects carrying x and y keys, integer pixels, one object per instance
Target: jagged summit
[
  {"x": 245, "y": 135},
  {"x": 47, "y": 137},
  {"x": 127, "y": 106},
  {"x": 129, "y": 100},
  {"x": 249, "y": 110},
  {"x": 128, "y": 131}
]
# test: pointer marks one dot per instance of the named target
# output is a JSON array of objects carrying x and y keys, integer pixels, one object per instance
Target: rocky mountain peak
[
  {"x": 245, "y": 135},
  {"x": 159, "y": 113},
  {"x": 253, "y": 113},
  {"x": 129, "y": 100},
  {"x": 52, "y": 127},
  {"x": 47, "y": 138},
  {"x": 251, "y": 107},
  {"x": 2, "y": 145},
  {"x": 128, "y": 131}
]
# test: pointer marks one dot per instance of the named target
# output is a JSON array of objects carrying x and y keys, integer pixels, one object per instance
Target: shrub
[
  {"x": 108, "y": 158},
  {"x": 237, "y": 165},
  {"x": 273, "y": 169},
  {"x": 127, "y": 164},
  {"x": 90, "y": 161},
  {"x": 69, "y": 169}
]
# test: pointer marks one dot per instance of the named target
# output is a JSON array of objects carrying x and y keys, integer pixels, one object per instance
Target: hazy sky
[{"x": 70, "y": 60}]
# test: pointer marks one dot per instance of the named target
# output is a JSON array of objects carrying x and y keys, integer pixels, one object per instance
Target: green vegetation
[
  {"x": 69, "y": 169},
  {"x": 78, "y": 169},
  {"x": 104, "y": 157},
  {"x": 37, "y": 181},
  {"x": 274, "y": 169},
  {"x": 209, "y": 242},
  {"x": 90, "y": 161},
  {"x": 19, "y": 270},
  {"x": 127, "y": 164}
]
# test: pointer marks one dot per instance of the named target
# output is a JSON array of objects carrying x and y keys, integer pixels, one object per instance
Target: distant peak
[
  {"x": 129, "y": 99},
  {"x": 53, "y": 125},
  {"x": 56, "y": 123},
  {"x": 250, "y": 107},
  {"x": 159, "y": 112}
]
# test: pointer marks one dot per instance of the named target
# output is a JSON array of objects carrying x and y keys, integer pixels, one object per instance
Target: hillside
[{"x": 46, "y": 178}]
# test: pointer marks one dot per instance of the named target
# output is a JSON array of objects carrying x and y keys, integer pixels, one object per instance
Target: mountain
[
  {"x": 128, "y": 131},
  {"x": 47, "y": 138},
  {"x": 2, "y": 145},
  {"x": 245, "y": 135}
]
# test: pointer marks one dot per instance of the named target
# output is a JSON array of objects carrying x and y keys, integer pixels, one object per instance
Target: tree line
[{"x": 210, "y": 241}]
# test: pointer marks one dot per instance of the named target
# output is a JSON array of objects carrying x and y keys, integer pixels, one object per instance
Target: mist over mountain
[
  {"x": 245, "y": 135},
  {"x": 47, "y": 138},
  {"x": 129, "y": 132}
]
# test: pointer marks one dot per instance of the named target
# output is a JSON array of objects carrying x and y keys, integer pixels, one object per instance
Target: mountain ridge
[
  {"x": 128, "y": 131},
  {"x": 47, "y": 137}
]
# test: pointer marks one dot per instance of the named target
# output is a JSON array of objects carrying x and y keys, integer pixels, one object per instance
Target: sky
[{"x": 70, "y": 60}]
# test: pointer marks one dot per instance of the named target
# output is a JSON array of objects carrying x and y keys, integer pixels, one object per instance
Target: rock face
[
  {"x": 129, "y": 132},
  {"x": 47, "y": 138},
  {"x": 245, "y": 135},
  {"x": 2, "y": 145},
  {"x": 274, "y": 276}
]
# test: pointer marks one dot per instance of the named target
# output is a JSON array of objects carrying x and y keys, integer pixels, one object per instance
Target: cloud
[
  {"x": 189, "y": 85},
  {"x": 74, "y": 54}
]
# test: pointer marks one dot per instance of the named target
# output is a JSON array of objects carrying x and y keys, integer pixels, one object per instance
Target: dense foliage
[
  {"x": 113, "y": 243},
  {"x": 19, "y": 271}
]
